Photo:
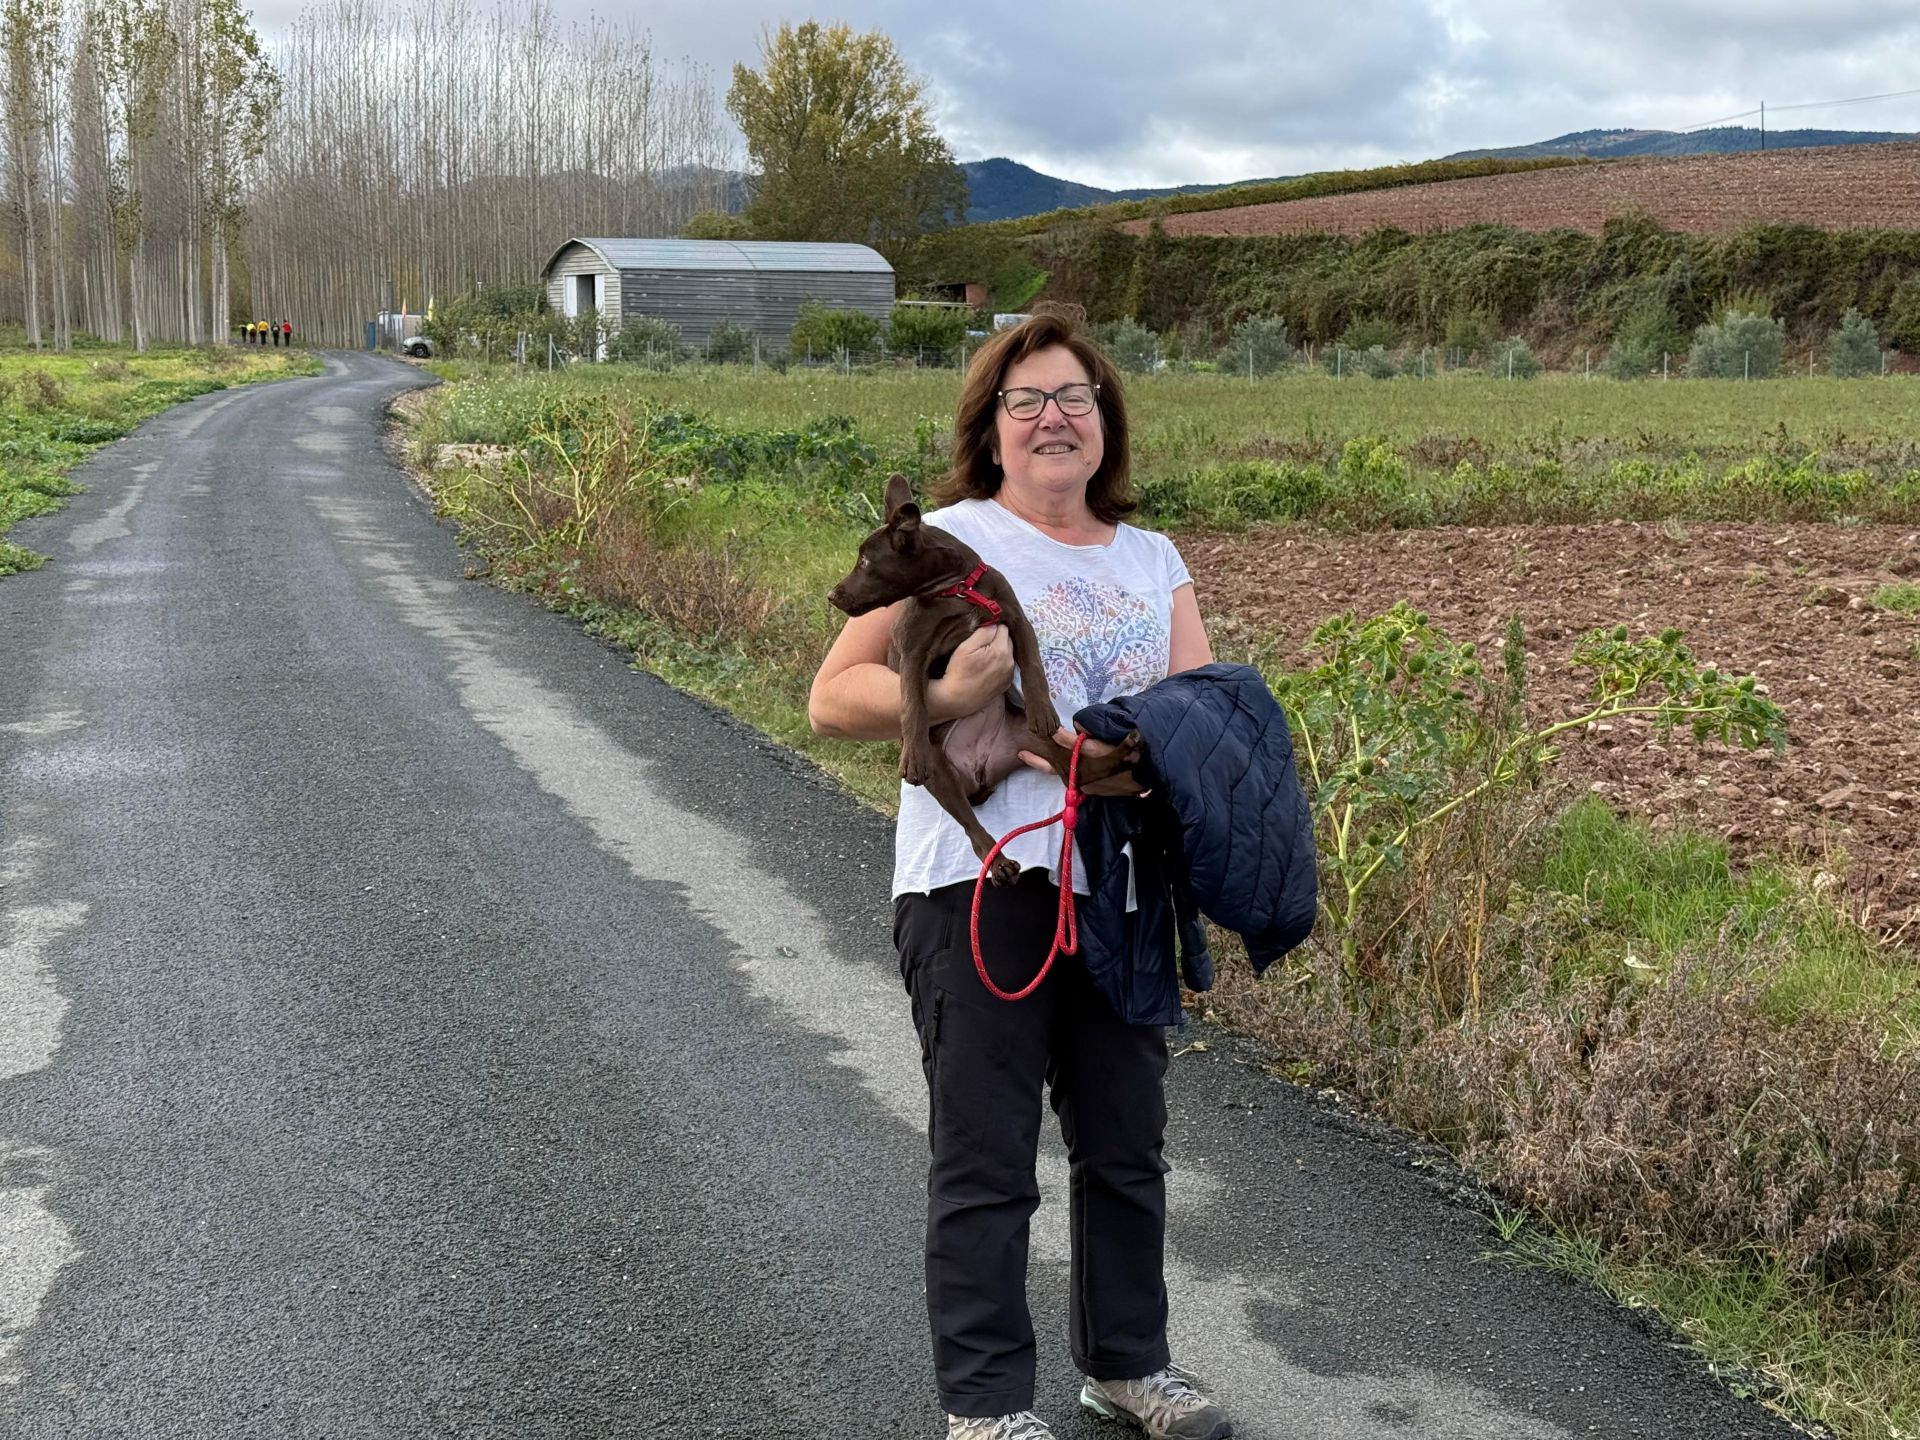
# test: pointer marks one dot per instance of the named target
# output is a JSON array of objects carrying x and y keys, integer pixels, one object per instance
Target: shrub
[
  {"x": 1260, "y": 344},
  {"x": 1903, "y": 317},
  {"x": 1511, "y": 359},
  {"x": 1369, "y": 333},
  {"x": 931, "y": 331},
  {"x": 823, "y": 333},
  {"x": 1468, "y": 333},
  {"x": 646, "y": 340},
  {"x": 1853, "y": 350},
  {"x": 1343, "y": 361},
  {"x": 1129, "y": 344},
  {"x": 39, "y": 391},
  {"x": 1740, "y": 345},
  {"x": 491, "y": 320},
  {"x": 728, "y": 344},
  {"x": 1632, "y": 359}
]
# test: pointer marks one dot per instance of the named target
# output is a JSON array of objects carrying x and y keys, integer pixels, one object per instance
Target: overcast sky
[{"x": 1151, "y": 92}]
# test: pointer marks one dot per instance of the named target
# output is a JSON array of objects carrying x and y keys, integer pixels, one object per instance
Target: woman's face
[{"x": 1049, "y": 451}]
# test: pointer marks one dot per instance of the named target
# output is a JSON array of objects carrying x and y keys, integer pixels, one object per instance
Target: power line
[{"x": 1808, "y": 105}]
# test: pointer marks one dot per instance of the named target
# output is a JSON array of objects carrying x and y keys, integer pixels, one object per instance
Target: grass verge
[{"x": 56, "y": 409}]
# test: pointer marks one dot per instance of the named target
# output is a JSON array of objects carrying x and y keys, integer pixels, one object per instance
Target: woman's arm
[
  {"x": 855, "y": 696},
  {"x": 1187, "y": 647}
]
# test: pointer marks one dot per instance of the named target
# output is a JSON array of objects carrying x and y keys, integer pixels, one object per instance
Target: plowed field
[
  {"x": 1789, "y": 603},
  {"x": 1838, "y": 188}
]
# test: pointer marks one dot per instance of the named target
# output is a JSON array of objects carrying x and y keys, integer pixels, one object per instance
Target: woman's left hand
[{"x": 1120, "y": 783}]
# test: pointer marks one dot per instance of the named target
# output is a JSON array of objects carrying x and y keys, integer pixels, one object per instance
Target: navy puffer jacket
[{"x": 1226, "y": 833}]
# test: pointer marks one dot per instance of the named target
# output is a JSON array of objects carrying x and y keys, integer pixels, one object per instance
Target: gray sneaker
[
  {"x": 1166, "y": 1405},
  {"x": 1024, "y": 1426}
]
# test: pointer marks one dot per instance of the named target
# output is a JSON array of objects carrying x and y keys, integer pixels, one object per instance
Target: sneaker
[
  {"x": 1165, "y": 1405},
  {"x": 1024, "y": 1426}
]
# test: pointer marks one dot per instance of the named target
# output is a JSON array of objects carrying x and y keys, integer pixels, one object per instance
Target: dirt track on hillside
[
  {"x": 1843, "y": 187},
  {"x": 1789, "y": 603}
]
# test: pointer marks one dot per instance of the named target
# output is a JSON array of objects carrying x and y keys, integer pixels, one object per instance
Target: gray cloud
[{"x": 1131, "y": 93}]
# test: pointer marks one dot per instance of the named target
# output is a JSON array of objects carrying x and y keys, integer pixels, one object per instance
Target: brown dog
[{"x": 959, "y": 761}]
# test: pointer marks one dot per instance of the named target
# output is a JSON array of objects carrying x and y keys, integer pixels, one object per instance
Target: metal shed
[{"x": 758, "y": 285}]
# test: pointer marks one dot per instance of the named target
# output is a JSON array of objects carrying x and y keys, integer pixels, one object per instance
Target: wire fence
[{"x": 1506, "y": 361}]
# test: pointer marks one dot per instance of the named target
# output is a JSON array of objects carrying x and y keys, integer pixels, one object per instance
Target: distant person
[{"x": 286, "y": 332}]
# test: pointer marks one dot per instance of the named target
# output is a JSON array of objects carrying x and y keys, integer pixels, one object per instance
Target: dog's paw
[
  {"x": 916, "y": 765},
  {"x": 1043, "y": 720}
]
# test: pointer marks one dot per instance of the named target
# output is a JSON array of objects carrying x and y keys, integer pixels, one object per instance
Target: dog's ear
[
  {"x": 903, "y": 529},
  {"x": 899, "y": 495}
]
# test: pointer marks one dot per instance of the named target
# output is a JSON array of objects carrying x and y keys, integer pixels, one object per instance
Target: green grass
[
  {"x": 1657, "y": 897},
  {"x": 1757, "y": 1330},
  {"x": 56, "y": 409},
  {"x": 1904, "y": 597},
  {"x": 1359, "y": 454}
]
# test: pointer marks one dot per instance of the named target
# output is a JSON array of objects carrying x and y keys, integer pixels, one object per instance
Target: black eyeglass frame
[{"x": 1093, "y": 401}]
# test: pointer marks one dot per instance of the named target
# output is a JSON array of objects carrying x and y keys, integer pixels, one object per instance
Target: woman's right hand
[{"x": 977, "y": 673}]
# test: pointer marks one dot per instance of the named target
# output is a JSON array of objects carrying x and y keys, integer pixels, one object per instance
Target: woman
[{"x": 1039, "y": 487}]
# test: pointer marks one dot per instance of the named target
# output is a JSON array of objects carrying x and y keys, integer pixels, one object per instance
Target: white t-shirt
[{"x": 1103, "y": 615}]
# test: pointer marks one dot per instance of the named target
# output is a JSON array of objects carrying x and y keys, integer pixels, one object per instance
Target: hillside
[
  {"x": 1003, "y": 189},
  {"x": 1625, "y": 144},
  {"x": 1842, "y": 188}
]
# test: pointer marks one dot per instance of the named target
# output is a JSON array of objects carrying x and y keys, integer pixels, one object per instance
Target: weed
[{"x": 1903, "y": 598}]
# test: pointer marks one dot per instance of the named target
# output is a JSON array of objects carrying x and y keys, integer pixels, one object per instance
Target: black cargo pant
[{"x": 986, "y": 1060}]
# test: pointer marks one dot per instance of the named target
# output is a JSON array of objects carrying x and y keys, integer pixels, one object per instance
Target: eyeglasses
[{"x": 1023, "y": 402}]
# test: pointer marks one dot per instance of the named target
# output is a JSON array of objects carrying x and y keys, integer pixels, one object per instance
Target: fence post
[
  {"x": 756, "y": 355},
  {"x": 1249, "y": 362},
  {"x": 549, "y": 354},
  {"x": 1589, "y": 355},
  {"x": 1663, "y": 364},
  {"x": 1746, "y": 365},
  {"x": 1339, "y": 360},
  {"x": 1509, "y": 362}
]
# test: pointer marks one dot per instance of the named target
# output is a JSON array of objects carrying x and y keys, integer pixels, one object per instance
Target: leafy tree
[
  {"x": 715, "y": 225},
  {"x": 1854, "y": 349},
  {"x": 838, "y": 129}
]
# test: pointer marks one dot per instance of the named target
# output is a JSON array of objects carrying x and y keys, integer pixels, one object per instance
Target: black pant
[{"x": 986, "y": 1060}]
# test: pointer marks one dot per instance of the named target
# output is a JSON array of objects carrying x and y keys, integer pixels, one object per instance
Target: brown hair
[{"x": 976, "y": 475}]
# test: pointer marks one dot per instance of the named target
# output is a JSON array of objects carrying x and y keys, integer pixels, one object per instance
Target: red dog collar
[{"x": 965, "y": 591}]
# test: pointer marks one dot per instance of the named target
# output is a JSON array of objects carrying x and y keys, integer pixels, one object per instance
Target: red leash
[{"x": 1066, "y": 930}]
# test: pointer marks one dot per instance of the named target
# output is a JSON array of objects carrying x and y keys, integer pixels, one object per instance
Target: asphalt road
[{"x": 414, "y": 1023}]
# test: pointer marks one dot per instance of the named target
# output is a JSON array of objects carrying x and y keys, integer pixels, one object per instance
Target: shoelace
[
  {"x": 1024, "y": 1426},
  {"x": 1171, "y": 1388}
]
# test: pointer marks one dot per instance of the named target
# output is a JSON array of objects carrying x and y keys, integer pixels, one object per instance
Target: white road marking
[
  {"x": 51, "y": 723},
  {"x": 34, "y": 1247},
  {"x": 34, "y": 1244}
]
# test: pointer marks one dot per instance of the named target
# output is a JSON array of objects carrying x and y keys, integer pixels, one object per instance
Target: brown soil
[
  {"x": 1841, "y": 187},
  {"x": 1788, "y": 603}
]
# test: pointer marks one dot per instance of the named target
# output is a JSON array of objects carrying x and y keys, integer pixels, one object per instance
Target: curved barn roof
[{"x": 781, "y": 255}]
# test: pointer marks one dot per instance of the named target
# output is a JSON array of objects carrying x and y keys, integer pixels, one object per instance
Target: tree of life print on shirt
[{"x": 1097, "y": 641}]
